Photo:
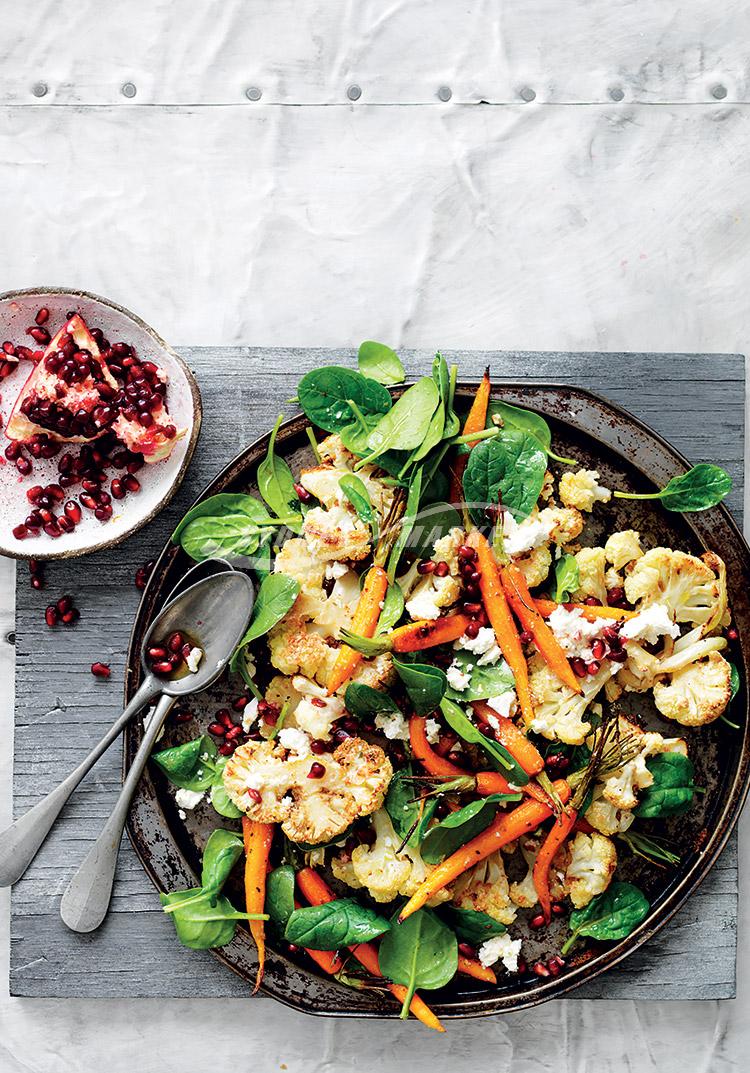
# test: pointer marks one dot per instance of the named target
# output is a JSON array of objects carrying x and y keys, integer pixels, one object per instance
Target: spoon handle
[
  {"x": 20, "y": 842},
  {"x": 86, "y": 901}
]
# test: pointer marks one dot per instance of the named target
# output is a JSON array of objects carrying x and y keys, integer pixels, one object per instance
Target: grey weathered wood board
[{"x": 695, "y": 401}]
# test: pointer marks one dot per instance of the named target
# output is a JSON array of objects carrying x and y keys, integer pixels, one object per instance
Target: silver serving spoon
[{"x": 214, "y": 611}]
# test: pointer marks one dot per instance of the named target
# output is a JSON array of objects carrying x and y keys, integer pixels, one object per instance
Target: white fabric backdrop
[{"x": 572, "y": 221}]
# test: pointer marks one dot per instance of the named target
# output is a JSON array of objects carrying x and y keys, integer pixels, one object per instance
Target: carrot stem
[
  {"x": 559, "y": 831},
  {"x": 257, "y": 838},
  {"x": 475, "y": 422},
  {"x": 522, "y": 602},
  {"x": 364, "y": 623}
]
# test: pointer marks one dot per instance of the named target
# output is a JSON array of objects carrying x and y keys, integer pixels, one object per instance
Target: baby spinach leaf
[
  {"x": 393, "y": 609},
  {"x": 201, "y": 921},
  {"x": 610, "y": 915},
  {"x": 275, "y": 597},
  {"x": 406, "y": 524},
  {"x": 184, "y": 765},
  {"x": 420, "y": 953},
  {"x": 424, "y": 684},
  {"x": 226, "y": 525},
  {"x": 701, "y": 487},
  {"x": 224, "y": 505},
  {"x": 734, "y": 681},
  {"x": 445, "y": 379},
  {"x": 280, "y": 895},
  {"x": 436, "y": 489},
  {"x": 463, "y": 726},
  {"x": 223, "y": 850},
  {"x": 343, "y": 922},
  {"x": 566, "y": 578},
  {"x": 405, "y": 426},
  {"x": 471, "y": 925},
  {"x": 324, "y": 395},
  {"x": 380, "y": 363},
  {"x": 222, "y": 803},
  {"x": 509, "y": 469},
  {"x": 431, "y": 523},
  {"x": 276, "y": 483},
  {"x": 356, "y": 492},
  {"x": 525, "y": 421},
  {"x": 363, "y": 701},
  {"x": 672, "y": 792},
  {"x": 460, "y": 827},
  {"x": 410, "y": 817},
  {"x": 488, "y": 681}
]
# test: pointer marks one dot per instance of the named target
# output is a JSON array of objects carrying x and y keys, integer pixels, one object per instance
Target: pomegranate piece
[
  {"x": 100, "y": 670},
  {"x": 61, "y": 398}
]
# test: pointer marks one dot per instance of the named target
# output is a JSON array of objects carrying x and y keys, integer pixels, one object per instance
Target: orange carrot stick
[
  {"x": 364, "y": 623},
  {"x": 428, "y": 632},
  {"x": 560, "y": 830},
  {"x": 590, "y": 611},
  {"x": 498, "y": 612},
  {"x": 475, "y": 422},
  {"x": 473, "y": 967},
  {"x": 513, "y": 739},
  {"x": 505, "y": 828},
  {"x": 317, "y": 892},
  {"x": 522, "y": 602},
  {"x": 257, "y": 838}
]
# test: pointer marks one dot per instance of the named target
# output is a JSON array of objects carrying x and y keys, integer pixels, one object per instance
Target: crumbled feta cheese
[
  {"x": 295, "y": 740},
  {"x": 393, "y": 725},
  {"x": 249, "y": 714},
  {"x": 188, "y": 799},
  {"x": 335, "y": 570},
  {"x": 501, "y": 948},
  {"x": 481, "y": 645},
  {"x": 432, "y": 731},
  {"x": 504, "y": 704},
  {"x": 521, "y": 537},
  {"x": 181, "y": 813},
  {"x": 573, "y": 630},
  {"x": 650, "y": 624},
  {"x": 423, "y": 605},
  {"x": 458, "y": 679},
  {"x": 193, "y": 658}
]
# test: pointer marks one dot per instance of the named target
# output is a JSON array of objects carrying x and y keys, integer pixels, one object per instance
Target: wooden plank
[{"x": 61, "y": 710}]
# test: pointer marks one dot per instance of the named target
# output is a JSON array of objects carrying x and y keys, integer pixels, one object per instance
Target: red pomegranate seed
[
  {"x": 472, "y": 629},
  {"x": 617, "y": 655},
  {"x": 35, "y": 449},
  {"x": 732, "y": 634},
  {"x": 33, "y": 521},
  {"x": 157, "y": 652},
  {"x": 37, "y": 582},
  {"x": 253, "y": 794},
  {"x": 318, "y": 702},
  {"x": 9, "y": 348},
  {"x": 71, "y": 617},
  {"x": 23, "y": 465},
  {"x": 64, "y": 604},
  {"x": 616, "y": 595},
  {"x": 521, "y": 967},
  {"x": 33, "y": 493},
  {"x": 233, "y": 733},
  {"x": 317, "y": 770},
  {"x": 225, "y": 716},
  {"x": 537, "y": 922},
  {"x": 117, "y": 489},
  {"x": 557, "y": 762},
  {"x": 540, "y": 969},
  {"x": 13, "y": 450},
  {"x": 20, "y": 532},
  {"x": 467, "y": 950},
  {"x": 162, "y": 667},
  {"x": 131, "y": 483},
  {"x": 598, "y": 648},
  {"x": 302, "y": 493},
  {"x": 526, "y": 637},
  {"x": 466, "y": 553},
  {"x": 217, "y": 730},
  {"x": 442, "y": 569},
  {"x": 557, "y": 909},
  {"x": 318, "y": 746},
  {"x": 554, "y": 965},
  {"x": 593, "y": 667},
  {"x": 591, "y": 601},
  {"x": 227, "y": 749},
  {"x": 103, "y": 514},
  {"x": 240, "y": 703},
  {"x": 579, "y": 667},
  {"x": 426, "y": 567},
  {"x": 88, "y": 501},
  {"x": 72, "y": 511},
  {"x": 100, "y": 670},
  {"x": 52, "y": 529},
  {"x": 472, "y": 609},
  {"x": 50, "y": 615},
  {"x": 65, "y": 524},
  {"x": 175, "y": 641},
  {"x": 39, "y": 335},
  {"x": 186, "y": 650},
  {"x": 42, "y": 316}
]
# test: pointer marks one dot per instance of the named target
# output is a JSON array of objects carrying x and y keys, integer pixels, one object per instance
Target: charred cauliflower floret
[
  {"x": 593, "y": 859},
  {"x": 605, "y": 817},
  {"x": 432, "y": 593},
  {"x": 296, "y": 649},
  {"x": 591, "y": 574},
  {"x": 566, "y": 523},
  {"x": 296, "y": 561},
  {"x": 378, "y": 672},
  {"x": 623, "y": 547},
  {"x": 484, "y": 888},
  {"x": 356, "y": 778},
  {"x": 622, "y": 787},
  {"x": 323, "y": 482},
  {"x": 559, "y": 713},
  {"x": 535, "y": 566},
  {"x": 581, "y": 489},
  {"x": 696, "y": 694},
  {"x": 316, "y": 711},
  {"x": 638, "y": 673},
  {"x": 383, "y": 871},
  {"x": 523, "y": 892},
  {"x": 336, "y": 534},
  {"x": 684, "y": 583}
]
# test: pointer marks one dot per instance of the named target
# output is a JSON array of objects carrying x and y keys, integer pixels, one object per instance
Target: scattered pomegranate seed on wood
[{"x": 100, "y": 670}]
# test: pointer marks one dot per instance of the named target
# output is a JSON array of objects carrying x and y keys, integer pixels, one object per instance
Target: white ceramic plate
[{"x": 159, "y": 481}]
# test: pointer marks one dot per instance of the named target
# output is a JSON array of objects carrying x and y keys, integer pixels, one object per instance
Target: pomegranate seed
[
  {"x": 302, "y": 493},
  {"x": 117, "y": 489},
  {"x": 72, "y": 511},
  {"x": 579, "y": 667},
  {"x": 732, "y": 634},
  {"x": 593, "y": 667},
  {"x": 42, "y": 316},
  {"x": 134, "y": 466},
  {"x": 227, "y": 749},
  {"x": 23, "y": 465},
  {"x": 318, "y": 746},
  {"x": 186, "y": 650},
  {"x": 472, "y": 629},
  {"x": 33, "y": 521},
  {"x": 467, "y": 553},
  {"x": 240, "y": 703},
  {"x": 34, "y": 449},
  {"x": 175, "y": 641},
  {"x": 526, "y": 637},
  {"x": 557, "y": 762},
  {"x": 183, "y": 716},
  {"x": 71, "y": 617},
  {"x": 20, "y": 532},
  {"x": 225, "y": 716},
  {"x": 233, "y": 733},
  {"x": 591, "y": 601},
  {"x": 317, "y": 770},
  {"x": 54, "y": 491},
  {"x": 100, "y": 670},
  {"x": 540, "y": 969},
  {"x": 131, "y": 483},
  {"x": 522, "y": 967},
  {"x": 611, "y": 634},
  {"x": 103, "y": 514},
  {"x": 39, "y": 335},
  {"x": 9, "y": 348},
  {"x": 466, "y": 950},
  {"x": 33, "y": 493},
  {"x": 472, "y": 609},
  {"x": 537, "y": 922},
  {"x": 13, "y": 450},
  {"x": 442, "y": 569},
  {"x": 557, "y": 909},
  {"x": 617, "y": 656},
  {"x": 88, "y": 501},
  {"x": 426, "y": 567},
  {"x": 318, "y": 702},
  {"x": 598, "y": 648},
  {"x": 157, "y": 652},
  {"x": 253, "y": 794},
  {"x": 217, "y": 730},
  {"x": 89, "y": 486},
  {"x": 50, "y": 615},
  {"x": 37, "y": 582},
  {"x": 616, "y": 595},
  {"x": 554, "y": 965},
  {"x": 52, "y": 529},
  {"x": 162, "y": 667},
  {"x": 64, "y": 604}
]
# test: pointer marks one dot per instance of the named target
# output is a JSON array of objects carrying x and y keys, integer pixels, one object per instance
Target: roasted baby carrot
[
  {"x": 426, "y": 633},
  {"x": 498, "y": 612},
  {"x": 505, "y": 828},
  {"x": 257, "y": 838},
  {"x": 522, "y": 603},
  {"x": 559, "y": 831},
  {"x": 590, "y": 611},
  {"x": 514, "y": 740},
  {"x": 364, "y": 623},
  {"x": 473, "y": 967},
  {"x": 475, "y": 422},
  {"x": 317, "y": 892}
]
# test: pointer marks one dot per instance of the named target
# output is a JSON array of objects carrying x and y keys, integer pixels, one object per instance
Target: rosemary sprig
[{"x": 655, "y": 850}]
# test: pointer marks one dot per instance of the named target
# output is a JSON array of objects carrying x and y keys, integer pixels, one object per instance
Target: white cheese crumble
[
  {"x": 432, "y": 731},
  {"x": 504, "y": 704},
  {"x": 193, "y": 658},
  {"x": 574, "y": 631},
  {"x": 521, "y": 537},
  {"x": 249, "y": 714},
  {"x": 458, "y": 679},
  {"x": 181, "y": 813},
  {"x": 335, "y": 570},
  {"x": 650, "y": 624},
  {"x": 295, "y": 740},
  {"x": 501, "y": 948},
  {"x": 188, "y": 799},
  {"x": 483, "y": 645},
  {"x": 393, "y": 725},
  {"x": 423, "y": 605}
]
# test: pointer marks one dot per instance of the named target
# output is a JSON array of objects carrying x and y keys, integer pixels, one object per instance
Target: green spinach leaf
[
  {"x": 223, "y": 850},
  {"x": 486, "y": 681},
  {"x": 343, "y": 922},
  {"x": 280, "y": 895},
  {"x": 424, "y": 684},
  {"x": 405, "y": 526},
  {"x": 226, "y": 525},
  {"x": 324, "y": 395},
  {"x": 510, "y": 470},
  {"x": 275, "y": 597},
  {"x": 432, "y": 523},
  {"x": 567, "y": 578},
  {"x": 410, "y": 817},
  {"x": 701, "y": 487},
  {"x": 356, "y": 492},
  {"x": 203, "y": 922},
  {"x": 184, "y": 765},
  {"x": 276, "y": 483},
  {"x": 734, "y": 681},
  {"x": 460, "y": 827},
  {"x": 463, "y": 726},
  {"x": 222, "y": 803},
  {"x": 672, "y": 792},
  {"x": 471, "y": 925},
  {"x": 380, "y": 363},
  {"x": 362, "y": 701},
  {"x": 405, "y": 426},
  {"x": 420, "y": 953},
  {"x": 526, "y": 421},
  {"x": 393, "y": 609},
  {"x": 614, "y": 914}
]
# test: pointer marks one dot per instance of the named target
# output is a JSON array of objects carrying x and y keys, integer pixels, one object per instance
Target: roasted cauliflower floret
[
  {"x": 484, "y": 888},
  {"x": 315, "y": 711},
  {"x": 683, "y": 582},
  {"x": 378, "y": 672},
  {"x": 593, "y": 859},
  {"x": 566, "y": 523},
  {"x": 591, "y": 574},
  {"x": 296, "y": 649},
  {"x": 623, "y": 547},
  {"x": 332, "y": 451},
  {"x": 336, "y": 534},
  {"x": 581, "y": 489},
  {"x": 535, "y": 565},
  {"x": 605, "y": 817},
  {"x": 296, "y": 561},
  {"x": 385, "y": 873},
  {"x": 639, "y": 671},
  {"x": 622, "y": 787},
  {"x": 523, "y": 892},
  {"x": 696, "y": 694},
  {"x": 324, "y": 483},
  {"x": 559, "y": 713},
  {"x": 356, "y": 778},
  {"x": 431, "y": 593}
]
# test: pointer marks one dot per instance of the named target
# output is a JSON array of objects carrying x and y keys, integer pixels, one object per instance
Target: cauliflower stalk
[{"x": 591, "y": 574}]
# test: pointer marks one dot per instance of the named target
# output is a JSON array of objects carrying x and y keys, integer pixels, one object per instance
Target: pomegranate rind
[{"x": 19, "y": 426}]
